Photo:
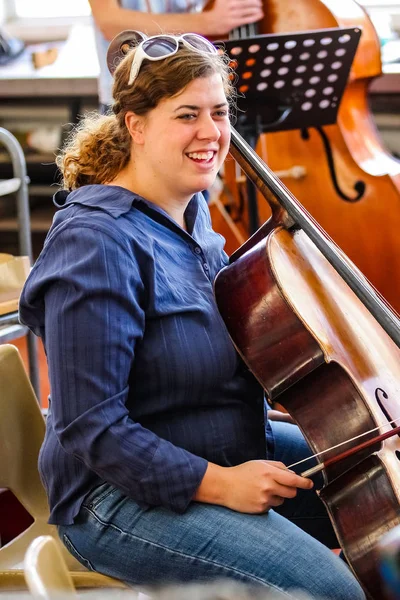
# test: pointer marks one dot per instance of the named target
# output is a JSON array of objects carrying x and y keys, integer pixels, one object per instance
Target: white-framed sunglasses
[{"x": 158, "y": 47}]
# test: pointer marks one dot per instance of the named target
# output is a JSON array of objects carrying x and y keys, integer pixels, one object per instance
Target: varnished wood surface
[
  {"x": 367, "y": 230},
  {"x": 9, "y": 306},
  {"x": 319, "y": 352},
  {"x": 21, "y": 344}
]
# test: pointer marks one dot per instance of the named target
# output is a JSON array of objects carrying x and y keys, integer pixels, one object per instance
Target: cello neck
[{"x": 288, "y": 212}]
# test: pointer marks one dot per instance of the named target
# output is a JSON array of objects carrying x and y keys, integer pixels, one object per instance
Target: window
[
  {"x": 51, "y": 8},
  {"x": 379, "y": 3}
]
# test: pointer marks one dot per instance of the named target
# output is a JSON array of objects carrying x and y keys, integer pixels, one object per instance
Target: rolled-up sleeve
[{"x": 94, "y": 305}]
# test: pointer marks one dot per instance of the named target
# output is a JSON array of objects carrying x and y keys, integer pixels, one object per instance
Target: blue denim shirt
[{"x": 146, "y": 386}]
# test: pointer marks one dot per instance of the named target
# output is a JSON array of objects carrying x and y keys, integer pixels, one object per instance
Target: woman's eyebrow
[{"x": 194, "y": 107}]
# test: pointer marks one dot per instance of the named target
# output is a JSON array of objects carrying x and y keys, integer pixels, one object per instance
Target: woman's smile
[{"x": 203, "y": 158}]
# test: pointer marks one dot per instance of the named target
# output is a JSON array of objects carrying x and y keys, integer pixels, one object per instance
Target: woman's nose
[{"x": 208, "y": 129}]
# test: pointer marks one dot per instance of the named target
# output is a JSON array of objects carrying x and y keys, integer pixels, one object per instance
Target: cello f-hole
[
  {"x": 359, "y": 185},
  {"x": 378, "y": 393}
]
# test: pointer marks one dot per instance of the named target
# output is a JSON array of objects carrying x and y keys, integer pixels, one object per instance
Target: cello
[
  {"x": 326, "y": 345},
  {"x": 351, "y": 183}
]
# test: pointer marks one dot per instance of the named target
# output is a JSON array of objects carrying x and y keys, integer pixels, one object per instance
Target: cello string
[
  {"x": 341, "y": 444},
  {"x": 334, "y": 459}
]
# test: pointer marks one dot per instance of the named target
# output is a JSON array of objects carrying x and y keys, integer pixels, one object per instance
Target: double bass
[
  {"x": 326, "y": 346},
  {"x": 351, "y": 183}
]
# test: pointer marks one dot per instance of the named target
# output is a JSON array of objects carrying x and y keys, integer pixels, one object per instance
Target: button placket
[{"x": 198, "y": 251}]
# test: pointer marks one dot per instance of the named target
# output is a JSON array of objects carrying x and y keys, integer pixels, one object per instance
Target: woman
[{"x": 159, "y": 461}]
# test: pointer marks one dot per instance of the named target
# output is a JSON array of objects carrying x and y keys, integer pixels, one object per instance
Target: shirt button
[
  {"x": 205, "y": 266},
  {"x": 197, "y": 250}
]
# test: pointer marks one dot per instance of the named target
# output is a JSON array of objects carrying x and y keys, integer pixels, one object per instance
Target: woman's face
[{"x": 185, "y": 140}]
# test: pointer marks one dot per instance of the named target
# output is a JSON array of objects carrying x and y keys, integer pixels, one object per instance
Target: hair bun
[{"x": 120, "y": 46}]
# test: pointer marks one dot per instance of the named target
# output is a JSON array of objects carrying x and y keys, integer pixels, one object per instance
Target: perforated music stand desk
[{"x": 290, "y": 81}]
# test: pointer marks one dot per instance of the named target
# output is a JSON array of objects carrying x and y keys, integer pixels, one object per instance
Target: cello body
[
  {"x": 326, "y": 346},
  {"x": 319, "y": 352},
  {"x": 366, "y": 229}
]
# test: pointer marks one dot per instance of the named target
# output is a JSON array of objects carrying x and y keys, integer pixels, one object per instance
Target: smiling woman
[
  {"x": 186, "y": 113},
  {"x": 158, "y": 445}
]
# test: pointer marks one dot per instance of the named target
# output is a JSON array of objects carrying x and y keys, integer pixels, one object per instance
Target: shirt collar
[
  {"x": 115, "y": 201},
  {"x": 112, "y": 199}
]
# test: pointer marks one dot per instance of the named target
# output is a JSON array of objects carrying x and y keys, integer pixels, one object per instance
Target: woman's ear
[{"x": 135, "y": 125}]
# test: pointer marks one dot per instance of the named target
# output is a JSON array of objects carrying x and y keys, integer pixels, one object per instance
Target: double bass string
[{"x": 353, "y": 450}]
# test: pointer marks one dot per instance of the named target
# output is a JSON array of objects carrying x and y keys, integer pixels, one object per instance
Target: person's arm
[
  {"x": 225, "y": 15},
  {"x": 252, "y": 487}
]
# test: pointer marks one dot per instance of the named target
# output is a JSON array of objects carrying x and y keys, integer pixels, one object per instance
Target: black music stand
[{"x": 290, "y": 81}]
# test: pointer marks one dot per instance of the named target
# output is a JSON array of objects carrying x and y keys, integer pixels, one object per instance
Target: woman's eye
[
  {"x": 187, "y": 116},
  {"x": 222, "y": 113}
]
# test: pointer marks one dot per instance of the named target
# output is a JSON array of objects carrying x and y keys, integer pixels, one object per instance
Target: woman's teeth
[{"x": 201, "y": 155}]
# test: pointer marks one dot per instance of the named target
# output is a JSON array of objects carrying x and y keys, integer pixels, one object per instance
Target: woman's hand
[{"x": 252, "y": 487}]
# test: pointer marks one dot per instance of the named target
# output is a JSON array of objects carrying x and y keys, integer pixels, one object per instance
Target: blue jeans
[{"x": 152, "y": 546}]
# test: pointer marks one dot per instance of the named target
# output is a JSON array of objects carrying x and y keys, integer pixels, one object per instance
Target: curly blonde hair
[{"x": 99, "y": 147}]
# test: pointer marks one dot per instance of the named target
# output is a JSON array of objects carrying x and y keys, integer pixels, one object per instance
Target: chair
[
  {"x": 48, "y": 578},
  {"x": 22, "y": 430},
  {"x": 46, "y": 572}
]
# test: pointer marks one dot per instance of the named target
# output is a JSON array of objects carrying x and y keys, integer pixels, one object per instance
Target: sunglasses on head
[{"x": 158, "y": 47}]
